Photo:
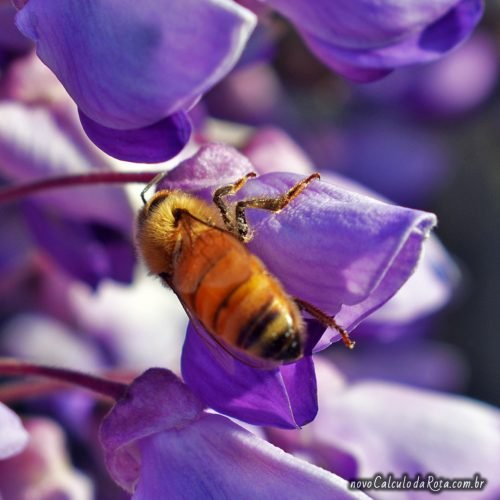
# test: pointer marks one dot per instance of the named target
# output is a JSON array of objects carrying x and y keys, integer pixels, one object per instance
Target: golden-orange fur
[{"x": 219, "y": 281}]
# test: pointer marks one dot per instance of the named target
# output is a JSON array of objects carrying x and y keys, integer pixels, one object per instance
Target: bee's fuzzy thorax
[{"x": 157, "y": 226}]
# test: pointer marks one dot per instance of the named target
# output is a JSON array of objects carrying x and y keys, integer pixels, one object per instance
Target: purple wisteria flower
[
  {"x": 436, "y": 279},
  {"x": 40, "y": 136},
  {"x": 345, "y": 253},
  {"x": 135, "y": 68},
  {"x": 366, "y": 39},
  {"x": 374, "y": 427},
  {"x": 158, "y": 440}
]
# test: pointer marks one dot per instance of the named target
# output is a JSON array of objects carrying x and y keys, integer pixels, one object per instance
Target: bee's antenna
[{"x": 155, "y": 180}]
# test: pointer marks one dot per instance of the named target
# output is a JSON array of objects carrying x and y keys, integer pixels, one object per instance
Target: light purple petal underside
[
  {"x": 282, "y": 397},
  {"x": 130, "y": 64},
  {"x": 391, "y": 428},
  {"x": 158, "y": 442},
  {"x": 215, "y": 458}
]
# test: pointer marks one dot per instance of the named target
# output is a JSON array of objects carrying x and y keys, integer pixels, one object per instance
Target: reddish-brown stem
[
  {"x": 102, "y": 386},
  {"x": 15, "y": 192},
  {"x": 13, "y": 392}
]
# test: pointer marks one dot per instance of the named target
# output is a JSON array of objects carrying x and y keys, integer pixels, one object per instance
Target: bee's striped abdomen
[{"x": 230, "y": 291}]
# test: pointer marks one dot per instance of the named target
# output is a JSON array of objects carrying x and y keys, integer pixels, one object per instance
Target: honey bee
[{"x": 198, "y": 250}]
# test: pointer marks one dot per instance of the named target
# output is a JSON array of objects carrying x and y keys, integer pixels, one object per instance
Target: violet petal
[
  {"x": 359, "y": 45},
  {"x": 283, "y": 397},
  {"x": 88, "y": 251},
  {"x": 130, "y": 64},
  {"x": 215, "y": 458},
  {"x": 341, "y": 251},
  {"x": 152, "y": 144},
  {"x": 158, "y": 442}
]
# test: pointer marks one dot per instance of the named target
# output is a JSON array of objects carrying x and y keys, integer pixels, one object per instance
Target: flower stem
[
  {"x": 112, "y": 389},
  {"x": 15, "y": 192}
]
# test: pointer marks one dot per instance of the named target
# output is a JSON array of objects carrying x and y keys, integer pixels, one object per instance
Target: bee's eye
[{"x": 155, "y": 202}]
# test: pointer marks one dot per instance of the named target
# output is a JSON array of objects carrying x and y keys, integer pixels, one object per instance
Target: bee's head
[
  {"x": 153, "y": 235},
  {"x": 151, "y": 205}
]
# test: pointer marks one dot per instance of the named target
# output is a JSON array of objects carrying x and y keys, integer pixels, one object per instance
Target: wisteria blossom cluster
[{"x": 118, "y": 392}]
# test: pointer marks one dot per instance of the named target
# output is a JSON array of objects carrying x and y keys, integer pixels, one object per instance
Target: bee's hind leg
[
  {"x": 326, "y": 320},
  {"x": 273, "y": 204},
  {"x": 220, "y": 203}
]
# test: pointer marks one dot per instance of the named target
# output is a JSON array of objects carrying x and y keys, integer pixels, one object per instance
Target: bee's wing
[
  {"x": 226, "y": 356},
  {"x": 221, "y": 352}
]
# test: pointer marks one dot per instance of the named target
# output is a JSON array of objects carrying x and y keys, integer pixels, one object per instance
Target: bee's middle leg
[
  {"x": 273, "y": 204},
  {"x": 220, "y": 203}
]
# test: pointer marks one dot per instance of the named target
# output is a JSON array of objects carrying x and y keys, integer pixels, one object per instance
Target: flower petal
[
  {"x": 158, "y": 439},
  {"x": 213, "y": 165},
  {"x": 152, "y": 144},
  {"x": 215, "y": 458},
  {"x": 40, "y": 141},
  {"x": 283, "y": 397},
  {"x": 363, "y": 39},
  {"x": 88, "y": 251},
  {"x": 422, "y": 432},
  {"x": 43, "y": 469},
  {"x": 10, "y": 38},
  {"x": 130, "y": 64},
  {"x": 333, "y": 247},
  {"x": 155, "y": 401},
  {"x": 381, "y": 428},
  {"x": 13, "y": 436},
  {"x": 341, "y": 251}
]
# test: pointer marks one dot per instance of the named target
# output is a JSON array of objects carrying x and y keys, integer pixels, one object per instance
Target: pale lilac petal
[
  {"x": 130, "y": 64},
  {"x": 213, "y": 165},
  {"x": 428, "y": 290},
  {"x": 457, "y": 84},
  {"x": 159, "y": 443},
  {"x": 272, "y": 150},
  {"x": 40, "y": 141},
  {"x": 396, "y": 429},
  {"x": 43, "y": 339},
  {"x": 282, "y": 397},
  {"x": 28, "y": 80},
  {"x": 43, "y": 469},
  {"x": 113, "y": 315},
  {"x": 13, "y": 436},
  {"x": 420, "y": 363},
  {"x": 152, "y": 144},
  {"x": 362, "y": 39}
]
